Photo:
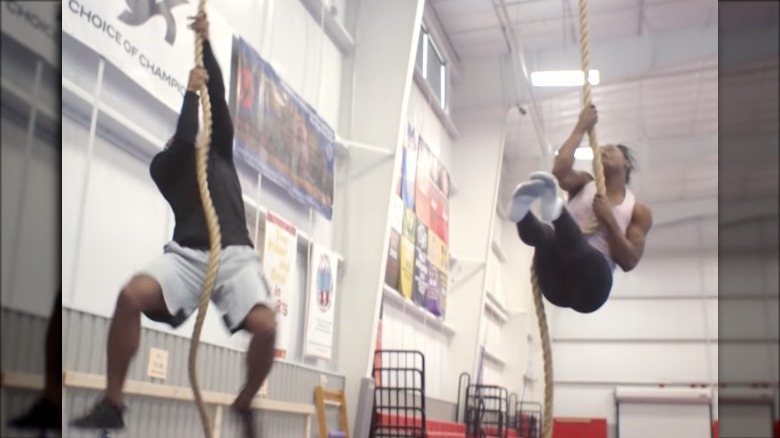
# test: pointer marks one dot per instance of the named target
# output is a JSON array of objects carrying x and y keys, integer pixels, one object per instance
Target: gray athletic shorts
[{"x": 240, "y": 284}]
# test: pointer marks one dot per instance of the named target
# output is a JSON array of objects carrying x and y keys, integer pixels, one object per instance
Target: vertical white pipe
[
  {"x": 87, "y": 174},
  {"x": 28, "y": 147}
]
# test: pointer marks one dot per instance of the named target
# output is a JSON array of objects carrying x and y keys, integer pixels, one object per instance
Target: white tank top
[{"x": 580, "y": 208}]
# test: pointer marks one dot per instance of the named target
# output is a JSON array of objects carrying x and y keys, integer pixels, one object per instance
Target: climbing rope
[
  {"x": 598, "y": 173},
  {"x": 544, "y": 335},
  {"x": 215, "y": 235}
]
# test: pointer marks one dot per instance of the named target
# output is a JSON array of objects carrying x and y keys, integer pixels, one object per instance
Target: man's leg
[
  {"x": 46, "y": 413},
  {"x": 143, "y": 294},
  {"x": 261, "y": 323},
  {"x": 53, "y": 388},
  {"x": 243, "y": 296}
]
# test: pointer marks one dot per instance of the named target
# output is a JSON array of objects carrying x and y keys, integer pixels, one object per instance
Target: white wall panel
[
  {"x": 762, "y": 366},
  {"x": 631, "y": 362},
  {"x": 585, "y": 401},
  {"x": 403, "y": 331},
  {"x": 124, "y": 227},
  {"x": 14, "y": 137},
  {"x": 749, "y": 319},
  {"x": 637, "y": 319},
  {"x": 667, "y": 276},
  {"x": 743, "y": 275},
  {"x": 75, "y": 137}
]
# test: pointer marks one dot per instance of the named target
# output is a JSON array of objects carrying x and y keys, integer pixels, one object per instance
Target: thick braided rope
[
  {"x": 598, "y": 173},
  {"x": 544, "y": 336},
  {"x": 215, "y": 235},
  {"x": 598, "y": 168}
]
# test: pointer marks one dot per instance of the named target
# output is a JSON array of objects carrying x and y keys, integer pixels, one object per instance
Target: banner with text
[
  {"x": 36, "y": 25},
  {"x": 279, "y": 261},
  {"x": 320, "y": 310},
  {"x": 149, "y": 41},
  {"x": 280, "y": 135}
]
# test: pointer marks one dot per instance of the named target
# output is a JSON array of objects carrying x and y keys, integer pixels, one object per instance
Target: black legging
[{"x": 570, "y": 271}]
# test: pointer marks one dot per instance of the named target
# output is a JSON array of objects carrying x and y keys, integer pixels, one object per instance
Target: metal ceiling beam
[
  {"x": 625, "y": 58},
  {"x": 520, "y": 73}
]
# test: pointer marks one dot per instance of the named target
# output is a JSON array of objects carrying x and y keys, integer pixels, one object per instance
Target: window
[{"x": 431, "y": 64}]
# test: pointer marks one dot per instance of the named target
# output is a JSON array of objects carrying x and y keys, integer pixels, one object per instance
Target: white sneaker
[
  {"x": 522, "y": 198},
  {"x": 553, "y": 200}
]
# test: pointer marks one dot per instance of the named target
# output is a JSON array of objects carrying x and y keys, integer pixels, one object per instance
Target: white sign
[
  {"x": 36, "y": 25},
  {"x": 320, "y": 310},
  {"x": 158, "y": 363},
  {"x": 279, "y": 261},
  {"x": 150, "y": 41}
]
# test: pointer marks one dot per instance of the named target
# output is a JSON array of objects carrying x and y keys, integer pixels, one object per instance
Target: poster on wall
[
  {"x": 423, "y": 183},
  {"x": 279, "y": 261},
  {"x": 408, "y": 253},
  {"x": 418, "y": 255},
  {"x": 393, "y": 267},
  {"x": 409, "y": 168},
  {"x": 420, "y": 286},
  {"x": 152, "y": 45},
  {"x": 280, "y": 135},
  {"x": 320, "y": 309}
]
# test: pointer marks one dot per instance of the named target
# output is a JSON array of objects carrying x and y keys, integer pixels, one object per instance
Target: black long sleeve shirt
[{"x": 174, "y": 170}]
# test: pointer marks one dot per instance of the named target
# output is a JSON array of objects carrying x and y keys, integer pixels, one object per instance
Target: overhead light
[
  {"x": 563, "y": 78},
  {"x": 584, "y": 153}
]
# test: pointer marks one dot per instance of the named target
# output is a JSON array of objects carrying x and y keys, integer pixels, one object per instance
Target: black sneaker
[
  {"x": 43, "y": 415},
  {"x": 247, "y": 420},
  {"x": 105, "y": 416}
]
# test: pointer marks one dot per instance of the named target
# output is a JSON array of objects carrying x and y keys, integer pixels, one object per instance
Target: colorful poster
[
  {"x": 420, "y": 264},
  {"x": 280, "y": 135},
  {"x": 433, "y": 292},
  {"x": 440, "y": 177},
  {"x": 409, "y": 168},
  {"x": 279, "y": 261},
  {"x": 423, "y": 183},
  {"x": 148, "y": 41},
  {"x": 407, "y": 267},
  {"x": 393, "y": 268},
  {"x": 439, "y": 215},
  {"x": 320, "y": 310}
]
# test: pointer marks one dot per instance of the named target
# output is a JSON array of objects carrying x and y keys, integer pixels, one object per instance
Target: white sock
[
  {"x": 522, "y": 198},
  {"x": 552, "y": 199}
]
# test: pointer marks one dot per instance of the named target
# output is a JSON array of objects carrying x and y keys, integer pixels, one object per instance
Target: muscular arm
[
  {"x": 563, "y": 168},
  {"x": 187, "y": 126},
  {"x": 222, "y": 124},
  {"x": 182, "y": 142},
  {"x": 627, "y": 249}
]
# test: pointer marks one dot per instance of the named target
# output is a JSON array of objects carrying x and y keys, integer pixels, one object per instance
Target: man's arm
[
  {"x": 627, "y": 249},
  {"x": 221, "y": 123},
  {"x": 187, "y": 126}
]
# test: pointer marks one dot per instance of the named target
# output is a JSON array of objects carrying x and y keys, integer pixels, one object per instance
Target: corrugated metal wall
[{"x": 220, "y": 369}]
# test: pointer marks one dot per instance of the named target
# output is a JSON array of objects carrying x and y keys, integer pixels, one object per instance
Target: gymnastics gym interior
[{"x": 378, "y": 145}]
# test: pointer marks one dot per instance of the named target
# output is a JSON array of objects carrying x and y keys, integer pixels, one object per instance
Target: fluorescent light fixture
[
  {"x": 563, "y": 78},
  {"x": 584, "y": 153}
]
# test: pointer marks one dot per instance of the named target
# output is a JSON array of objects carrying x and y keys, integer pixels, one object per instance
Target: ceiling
[
  {"x": 473, "y": 27},
  {"x": 668, "y": 113}
]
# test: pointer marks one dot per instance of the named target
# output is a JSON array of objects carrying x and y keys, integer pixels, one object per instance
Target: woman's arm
[
  {"x": 563, "y": 168},
  {"x": 627, "y": 249}
]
